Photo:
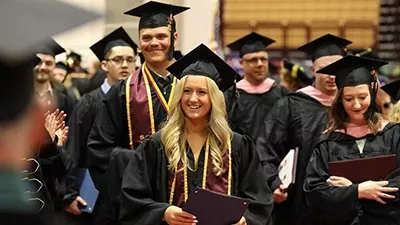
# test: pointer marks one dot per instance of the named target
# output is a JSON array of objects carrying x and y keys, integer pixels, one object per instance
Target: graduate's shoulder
[
  {"x": 239, "y": 141},
  {"x": 301, "y": 97},
  {"x": 94, "y": 94}
]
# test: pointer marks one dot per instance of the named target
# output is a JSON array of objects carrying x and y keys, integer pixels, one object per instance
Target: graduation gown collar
[
  {"x": 250, "y": 88},
  {"x": 318, "y": 95}
]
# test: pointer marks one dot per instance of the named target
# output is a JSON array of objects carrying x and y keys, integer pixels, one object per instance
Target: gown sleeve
[
  {"x": 322, "y": 199},
  {"x": 107, "y": 132},
  {"x": 79, "y": 124},
  {"x": 252, "y": 187},
  {"x": 138, "y": 204},
  {"x": 274, "y": 142}
]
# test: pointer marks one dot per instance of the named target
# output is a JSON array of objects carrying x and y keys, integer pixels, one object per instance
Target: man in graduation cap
[
  {"x": 250, "y": 101},
  {"x": 21, "y": 117},
  {"x": 117, "y": 54},
  {"x": 136, "y": 107},
  {"x": 43, "y": 73},
  {"x": 297, "y": 120}
]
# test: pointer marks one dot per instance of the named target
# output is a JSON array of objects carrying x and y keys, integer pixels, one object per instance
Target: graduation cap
[
  {"x": 297, "y": 72},
  {"x": 392, "y": 89},
  {"x": 352, "y": 70},
  {"x": 250, "y": 43},
  {"x": 177, "y": 56},
  {"x": 75, "y": 56},
  {"x": 25, "y": 25},
  {"x": 50, "y": 47},
  {"x": 62, "y": 66},
  {"x": 156, "y": 14},
  {"x": 324, "y": 46},
  {"x": 202, "y": 61},
  {"x": 118, "y": 37}
]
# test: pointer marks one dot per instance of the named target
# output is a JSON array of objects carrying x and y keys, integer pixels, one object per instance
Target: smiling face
[
  {"x": 44, "y": 70},
  {"x": 356, "y": 101},
  {"x": 195, "y": 101},
  {"x": 155, "y": 43}
]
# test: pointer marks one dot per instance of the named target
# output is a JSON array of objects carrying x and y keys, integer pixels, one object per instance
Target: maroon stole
[
  {"x": 139, "y": 105},
  {"x": 213, "y": 183},
  {"x": 137, "y": 108}
]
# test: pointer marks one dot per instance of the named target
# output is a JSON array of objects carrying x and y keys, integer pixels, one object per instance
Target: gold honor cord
[
  {"x": 149, "y": 99},
  {"x": 160, "y": 96},
  {"x": 128, "y": 109},
  {"x": 204, "y": 180}
]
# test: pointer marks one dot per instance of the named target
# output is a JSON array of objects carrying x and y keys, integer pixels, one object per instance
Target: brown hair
[{"x": 338, "y": 116}]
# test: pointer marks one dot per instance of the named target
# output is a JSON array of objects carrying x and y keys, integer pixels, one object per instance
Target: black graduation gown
[
  {"x": 297, "y": 120},
  {"x": 119, "y": 160},
  {"x": 62, "y": 103},
  {"x": 247, "y": 111},
  {"x": 110, "y": 129},
  {"x": 145, "y": 190},
  {"x": 340, "y": 205},
  {"x": 98, "y": 78},
  {"x": 80, "y": 124},
  {"x": 55, "y": 162},
  {"x": 82, "y": 84}
]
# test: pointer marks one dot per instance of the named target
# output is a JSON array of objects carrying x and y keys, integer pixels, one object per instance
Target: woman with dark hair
[{"x": 355, "y": 130}]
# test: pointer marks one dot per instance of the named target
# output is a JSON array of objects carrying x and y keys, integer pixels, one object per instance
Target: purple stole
[{"x": 213, "y": 183}]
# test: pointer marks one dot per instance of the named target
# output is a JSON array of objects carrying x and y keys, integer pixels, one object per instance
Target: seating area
[{"x": 293, "y": 22}]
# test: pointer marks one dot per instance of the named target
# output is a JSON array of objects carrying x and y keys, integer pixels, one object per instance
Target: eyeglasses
[
  {"x": 255, "y": 60},
  {"x": 120, "y": 60}
]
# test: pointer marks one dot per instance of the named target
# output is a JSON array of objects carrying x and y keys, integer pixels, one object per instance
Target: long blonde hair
[{"x": 218, "y": 131}]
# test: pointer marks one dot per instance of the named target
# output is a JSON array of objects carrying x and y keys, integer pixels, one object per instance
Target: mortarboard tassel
[{"x": 171, "y": 25}]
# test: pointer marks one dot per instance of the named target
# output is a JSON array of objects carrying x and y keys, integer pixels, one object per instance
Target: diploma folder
[
  {"x": 364, "y": 169},
  {"x": 211, "y": 208},
  {"x": 87, "y": 192},
  {"x": 287, "y": 169}
]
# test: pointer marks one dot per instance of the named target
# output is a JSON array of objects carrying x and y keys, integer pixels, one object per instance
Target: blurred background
[{"x": 372, "y": 25}]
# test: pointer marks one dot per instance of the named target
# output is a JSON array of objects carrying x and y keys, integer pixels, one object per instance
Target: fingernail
[{"x": 194, "y": 217}]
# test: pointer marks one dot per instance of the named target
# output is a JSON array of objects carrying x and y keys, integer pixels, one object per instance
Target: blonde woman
[{"x": 195, "y": 148}]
